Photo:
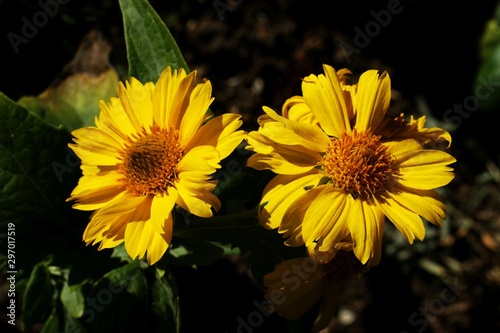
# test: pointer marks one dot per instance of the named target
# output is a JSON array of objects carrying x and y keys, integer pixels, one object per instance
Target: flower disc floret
[
  {"x": 150, "y": 160},
  {"x": 358, "y": 164}
]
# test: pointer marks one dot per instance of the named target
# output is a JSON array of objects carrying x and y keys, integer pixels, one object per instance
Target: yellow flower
[
  {"x": 152, "y": 148},
  {"x": 296, "y": 285},
  {"x": 339, "y": 174}
]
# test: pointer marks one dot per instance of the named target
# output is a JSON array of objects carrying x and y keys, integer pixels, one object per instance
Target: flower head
[
  {"x": 342, "y": 167},
  {"x": 296, "y": 285},
  {"x": 153, "y": 147}
]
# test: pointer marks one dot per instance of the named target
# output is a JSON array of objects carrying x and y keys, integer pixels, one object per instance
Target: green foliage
[
  {"x": 164, "y": 303},
  {"x": 38, "y": 298},
  {"x": 120, "y": 293},
  {"x": 485, "y": 86},
  {"x": 74, "y": 102},
  {"x": 36, "y": 180},
  {"x": 150, "y": 46},
  {"x": 73, "y": 300}
]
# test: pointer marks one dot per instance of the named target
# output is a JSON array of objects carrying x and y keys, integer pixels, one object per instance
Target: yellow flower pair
[{"x": 341, "y": 165}]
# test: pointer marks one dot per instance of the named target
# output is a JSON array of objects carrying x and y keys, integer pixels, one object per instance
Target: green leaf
[
  {"x": 72, "y": 100},
  {"x": 37, "y": 174},
  {"x": 486, "y": 83},
  {"x": 193, "y": 252},
  {"x": 51, "y": 325},
  {"x": 61, "y": 321},
  {"x": 118, "y": 302},
  {"x": 491, "y": 34},
  {"x": 240, "y": 230},
  {"x": 150, "y": 46},
  {"x": 165, "y": 303},
  {"x": 120, "y": 253},
  {"x": 38, "y": 300},
  {"x": 72, "y": 298}
]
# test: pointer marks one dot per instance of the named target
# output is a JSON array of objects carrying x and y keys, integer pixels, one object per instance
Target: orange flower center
[
  {"x": 150, "y": 160},
  {"x": 358, "y": 164}
]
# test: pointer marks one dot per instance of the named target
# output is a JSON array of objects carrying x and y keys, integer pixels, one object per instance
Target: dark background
[
  {"x": 256, "y": 55},
  {"x": 430, "y": 49}
]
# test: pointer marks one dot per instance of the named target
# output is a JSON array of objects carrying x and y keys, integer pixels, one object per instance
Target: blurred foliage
[
  {"x": 71, "y": 100},
  {"x": 488, "y": 76}
]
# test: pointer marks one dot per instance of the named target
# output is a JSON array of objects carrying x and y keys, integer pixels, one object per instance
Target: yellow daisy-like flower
[
  {"x": 338, "y": 172},
  {"x": 296, "y": 285},
  {"x": 152, "y": 148}
]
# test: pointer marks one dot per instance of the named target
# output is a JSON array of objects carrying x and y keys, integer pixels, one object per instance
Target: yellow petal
[
  {"x": 137, "y": 104},
  {"x": 160, "y": 243},
  {"x": 97, "y": 182},
  {"x": 434, "y": 133},
  {"x": 103, "y": 225},
  {"x": 127, "y": 107},
  {"x": 372, "y": 99},
  {"x": 140, "y": 235},
  {"x": 115, "y": 234},
  {"x": 282, "y": 159},
  {"x": 122, "y": 205},
  {"x": 407, "y": 222},
  {"x": 194, "y": 183},
  {"x": 114, "y": 120},
  {"x": 293, "y": 220},
  {"x": 286, "y": 164},
  {"x": 161, "y": 210},
  {"x": 171, "y": 96},
  {"x": 220, "y": 132},
  {"x": 94, "y": 230},
  {"x": 325, "y": 98},
  {"x": 95, "y": 155},
  {"x": 296, "y": 109},
  {"x": 92, "y": 170},
  {"x": 338, "y": 238},
  {"x": 263, "y": 145},
  {"x": 291, "y": 132},
  {"x": 323, "y": 218},
  {"x": 425, "y": 203},
  {"x": 280, "y": 193},
  {"x": 425, "y": 169},
  {"x": 95, "y": 193},
  {"x": 366, "y": 224},
  {"x": 200, "y": 158},
  {"x": 199, "y": 103},
  {"x": 109, "y": 243},
  {"x": 403, "y": 148},
  {"x": 189, "y": 200},
  {"x": 90, "y": 137},
  {"x": 139, "y": 231},
  {"x": 425, "y": 157},
  {"x": 196, "y": 180}
]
